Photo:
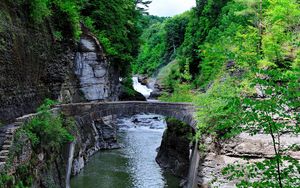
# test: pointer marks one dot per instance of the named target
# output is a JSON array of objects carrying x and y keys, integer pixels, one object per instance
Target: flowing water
[
  {"x": 134, "y": 165},
  {"x": 69, "y": 166},
  {"x": 141, "y": 88}
]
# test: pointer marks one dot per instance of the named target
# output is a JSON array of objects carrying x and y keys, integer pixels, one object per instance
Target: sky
[{"x": 170, "y": 7}]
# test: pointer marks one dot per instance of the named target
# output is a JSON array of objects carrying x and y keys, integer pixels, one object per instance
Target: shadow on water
[{"x": 132, "y": 166}]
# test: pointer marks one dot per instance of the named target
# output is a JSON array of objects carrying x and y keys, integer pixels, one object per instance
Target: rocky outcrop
[
  {"x": 99, "y": 80},
  {"x": 33, "y": 66},
  {"x": 92, "y": 136},
  {"x": 239, "y": 150},
  {"x": 143, "y": 79},
  {"x": 154, "y": 84},
  {"x": 174, "y": 151},
  {"x": 157, "y": 87}
]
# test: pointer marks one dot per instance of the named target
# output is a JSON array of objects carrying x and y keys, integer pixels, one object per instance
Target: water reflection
[{"x": 134, "y": 165}]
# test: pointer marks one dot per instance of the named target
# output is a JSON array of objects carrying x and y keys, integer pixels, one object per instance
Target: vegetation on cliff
[
  {"x": 117, "y": 24},
  {"x": 239, "y": 60},
  {"x": 38, "y": 145}
]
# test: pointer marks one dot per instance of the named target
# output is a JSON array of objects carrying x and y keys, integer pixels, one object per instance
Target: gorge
[{"x": 97, "y": 93}]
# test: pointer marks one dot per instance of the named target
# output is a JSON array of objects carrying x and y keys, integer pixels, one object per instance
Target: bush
[
  {"x": 39, "y": 10},
  {"x": 219, "y": 109},
  {"x": 182, "y": 93},
  {"x": 47, "y": 130}
]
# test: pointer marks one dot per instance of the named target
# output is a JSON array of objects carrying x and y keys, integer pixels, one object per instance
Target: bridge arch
[
  {"x": 96, "y": 110},
  {"x": 182, "y": 111}
]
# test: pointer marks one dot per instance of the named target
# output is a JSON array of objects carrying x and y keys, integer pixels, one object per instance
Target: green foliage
[
  {"x": 117, "y": 29},
  {"x": 260, "y": 39},
  {"x": 71, "y": 10},
  {"x": 182, "y": 93},
  {"x": 58, "y": 36},
  {"x": 280, "y": 101},
  {"x": 46, "y": 130},
  {"x": 220, "y": 109},
  {"x": 160, "y": 42},
  {"x": 281, "y": 38},
  {"x": 127, "y": 86},
  {"x": 47, "y": 133},
  {"x": 39, "y": 10},
  {"x": 233, "y": 39},
  {"x": 5, "y": 179},
  {"x": 67, "y": 9},
  {"x": 24, "y": 179},
  {"x": 151, "y": 52},
  {"x": 181, "y": 129},
  {"x": 203, "y": 18},
  {"x": 264, "y": 171}
]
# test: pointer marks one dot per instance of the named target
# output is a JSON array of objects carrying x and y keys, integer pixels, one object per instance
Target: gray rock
[
  {"x": 98, "y": 81},
  {"x": 173, "y": 153},
  {"x": 236, "y": 151}
]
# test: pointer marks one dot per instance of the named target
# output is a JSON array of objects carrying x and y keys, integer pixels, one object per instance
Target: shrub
[
  {"x": 39, "y": 10},
  {"x": 47, "y": 130},
  {"x": 219, "y": 109}
]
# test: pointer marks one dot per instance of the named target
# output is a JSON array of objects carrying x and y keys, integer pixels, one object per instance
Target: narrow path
[{"x": 6, "y": 140}]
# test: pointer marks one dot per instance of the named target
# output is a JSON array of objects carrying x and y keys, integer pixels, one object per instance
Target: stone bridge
[
  {"x": 95, "y": 110},
  {"x": 182, "y": 111}
]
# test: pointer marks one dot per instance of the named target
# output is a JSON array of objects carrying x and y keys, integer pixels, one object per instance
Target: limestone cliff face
[
  {"x": 98, "y": 79},
  {"x": 92, "y": 136},
  {"x": 35, "y": 66}
]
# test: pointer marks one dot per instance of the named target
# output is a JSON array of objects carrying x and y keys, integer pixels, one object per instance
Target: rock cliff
[
  {"x": 174, "y": 152},
  {"x": 92, "y": 136},
  {"x": 34, "y": 65}
]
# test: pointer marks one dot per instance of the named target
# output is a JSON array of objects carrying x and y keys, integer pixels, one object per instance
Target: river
[{"x": 133, "y": 165}]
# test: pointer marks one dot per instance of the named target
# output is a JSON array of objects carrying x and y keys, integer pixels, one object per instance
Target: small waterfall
[
  {"x": 144, "y": 90},
  {"x": 70, "y": 161}
]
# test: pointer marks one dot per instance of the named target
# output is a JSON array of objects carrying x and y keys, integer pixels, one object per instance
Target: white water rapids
[{"x": 144, "y": 90}]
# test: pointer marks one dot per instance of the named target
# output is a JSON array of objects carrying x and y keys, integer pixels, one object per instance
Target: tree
[{"x": 271, "y": 115}]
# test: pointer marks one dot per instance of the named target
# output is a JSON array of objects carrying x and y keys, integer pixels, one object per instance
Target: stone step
[
  {"x": 4, "y": 152},
  {"x": 8, "y": 142},
  {"x": 9, "y": 136},
  {"x": 3, "y": 158},
  {"x": 5, "y": 147}
]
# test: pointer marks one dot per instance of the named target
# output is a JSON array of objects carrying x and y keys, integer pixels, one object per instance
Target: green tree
[{"x": 271, "y": 116}]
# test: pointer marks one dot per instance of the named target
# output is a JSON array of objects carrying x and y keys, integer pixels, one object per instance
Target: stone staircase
[{"x": 6, "y": 136}]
